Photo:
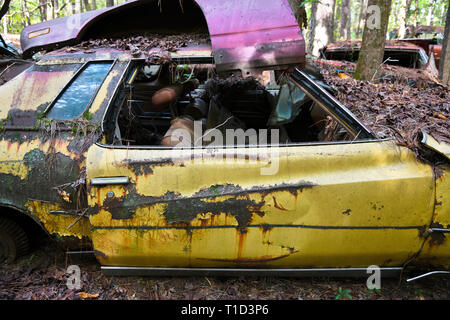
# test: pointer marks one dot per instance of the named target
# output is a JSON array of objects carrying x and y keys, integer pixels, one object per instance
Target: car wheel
[{"x": 13, "y": 241}]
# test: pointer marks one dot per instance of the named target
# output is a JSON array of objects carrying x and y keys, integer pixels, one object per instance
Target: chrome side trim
[
  {"x": 122, "y": 78},
  {"x": 302, "y": 144},
  {"x": 427, "y": 275},
  {"x": 440, "y": 230},
  {"x": 109, "y": 181},
  {"x": 92, "y": 252},
  {"x": 60, "y": 212},
  {"x": 223, "y": 272},
  {"x": 331, "y": 105}
]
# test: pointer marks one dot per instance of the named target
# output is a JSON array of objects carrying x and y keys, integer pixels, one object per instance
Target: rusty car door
[
  {"x": 328, "y": 205},
  {"x": 42, "y": 150}
]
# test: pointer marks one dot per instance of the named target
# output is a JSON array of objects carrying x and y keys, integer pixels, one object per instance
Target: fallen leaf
[{"x": 85, "y": 295}]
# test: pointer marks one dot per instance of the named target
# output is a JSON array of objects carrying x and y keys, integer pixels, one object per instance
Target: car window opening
[
  {"x": 159, "y": 100},
  {"x": 80, "y": 93},
  {"x": 402, "y": 58}
]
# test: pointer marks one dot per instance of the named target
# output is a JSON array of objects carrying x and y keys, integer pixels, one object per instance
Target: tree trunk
[
  {"x": 333, "y": 21},
  {"x": 408, "y": 9},
  {"x": 5, "y": 24},
  {"x": 55, "y": 9},
  {"x": 362, "y": 18},
  {"x": 94, "y": 5},
  {"x": 321, "y": 30},
  {"x": 78, "y": 6},
  {"x": 70, "y": 8},
  {"x": 444, "y": 65},
  {"x": 43, "y": 9},
  {"x": 402, "y": 19},
  {"x": 26, "y": 12},
  {"x": 50, "y": 10},
  {"x": 299, "y": 12},
  {"x": 311, "y": 28},
  {"x": 345, "y": 20},
  {"x": 109, "y": 3},
  {"x": 4, "y": 9},
  {"x": 430, "y": 13},
  {"x": 374, "y": 39},
  {"x": 416, "y": 9},
  {"x": 87, "y": 6}
]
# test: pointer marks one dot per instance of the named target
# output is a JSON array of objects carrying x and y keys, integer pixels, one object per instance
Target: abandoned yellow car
[{"x": 87, "y": 153}]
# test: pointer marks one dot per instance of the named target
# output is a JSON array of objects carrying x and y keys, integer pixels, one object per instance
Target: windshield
[{"x": 7, "y": 48}]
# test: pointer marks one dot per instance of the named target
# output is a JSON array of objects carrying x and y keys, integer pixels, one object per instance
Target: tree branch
[{"x": 4, "y": 8}]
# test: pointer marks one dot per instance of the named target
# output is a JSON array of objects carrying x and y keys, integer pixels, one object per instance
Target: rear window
[
  {"x": 80, "y": 93},
  {"x": 35, "y": 88},
  {"x": 402, "y": 58}
]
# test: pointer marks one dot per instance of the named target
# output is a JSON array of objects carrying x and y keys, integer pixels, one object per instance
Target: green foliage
[
  {"x": 87, "y": 115},
  {"x": 24, "y": 12},
  {"x": 2, "y": 125},
  {"x": 372, "y": 291},
  {"x": 343, "y": 294},
  {"x": 308, "y": 2},
  {"x": 27, "y": 262}
]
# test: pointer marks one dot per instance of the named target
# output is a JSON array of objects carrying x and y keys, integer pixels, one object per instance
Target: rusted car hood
[{"x": 245, "y": 34}]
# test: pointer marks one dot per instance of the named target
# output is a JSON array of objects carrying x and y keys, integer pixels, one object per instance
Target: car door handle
[{"x": 109, "y": 181}]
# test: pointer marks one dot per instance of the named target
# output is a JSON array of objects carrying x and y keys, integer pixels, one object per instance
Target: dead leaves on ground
[{"x": 399, "y": 107}]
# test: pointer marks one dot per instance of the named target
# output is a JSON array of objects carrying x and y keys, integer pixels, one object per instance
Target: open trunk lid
[{"x": 246, "y": 35}]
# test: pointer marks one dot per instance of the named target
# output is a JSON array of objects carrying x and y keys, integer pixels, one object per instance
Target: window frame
[
  {"x": 338, "y": 112},
  {"x": 74, "y": 77}
]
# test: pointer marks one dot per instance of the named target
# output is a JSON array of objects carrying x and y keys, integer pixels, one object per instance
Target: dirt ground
[{"x": 42, "y": 275}]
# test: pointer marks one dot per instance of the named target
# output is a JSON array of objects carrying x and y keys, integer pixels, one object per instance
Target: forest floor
[{"x": 42, "y": 275}]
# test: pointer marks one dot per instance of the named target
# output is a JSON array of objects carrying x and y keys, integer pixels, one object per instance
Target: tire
[{"x": 13, "y": 241}]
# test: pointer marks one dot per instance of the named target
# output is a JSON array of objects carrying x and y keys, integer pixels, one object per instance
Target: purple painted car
[{"x": 246, "y": 35}]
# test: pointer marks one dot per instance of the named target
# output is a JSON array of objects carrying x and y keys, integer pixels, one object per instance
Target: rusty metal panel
[
  {"x": 328, "y": 206},
  {"x": 253, "y": 34},
  {"x": 34, "y": 89},
  {"x": 31, "y": 170},
  {"x": 436, "y": 250},
  {"x": 42, "y": 161}
]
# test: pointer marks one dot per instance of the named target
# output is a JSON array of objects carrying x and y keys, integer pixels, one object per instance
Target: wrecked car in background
[
  {"x": 430, "y": 38},
  {"x": 398, "y": 53},
  {"x": 84, "y": 152}
]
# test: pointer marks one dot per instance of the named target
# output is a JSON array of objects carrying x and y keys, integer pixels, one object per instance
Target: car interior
[
  {"x": 403, "y": 58},
  {"x": 157, "y": 100}
]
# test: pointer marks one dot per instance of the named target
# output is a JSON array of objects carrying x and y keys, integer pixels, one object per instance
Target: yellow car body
[{"x": 331, "y": 205}]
